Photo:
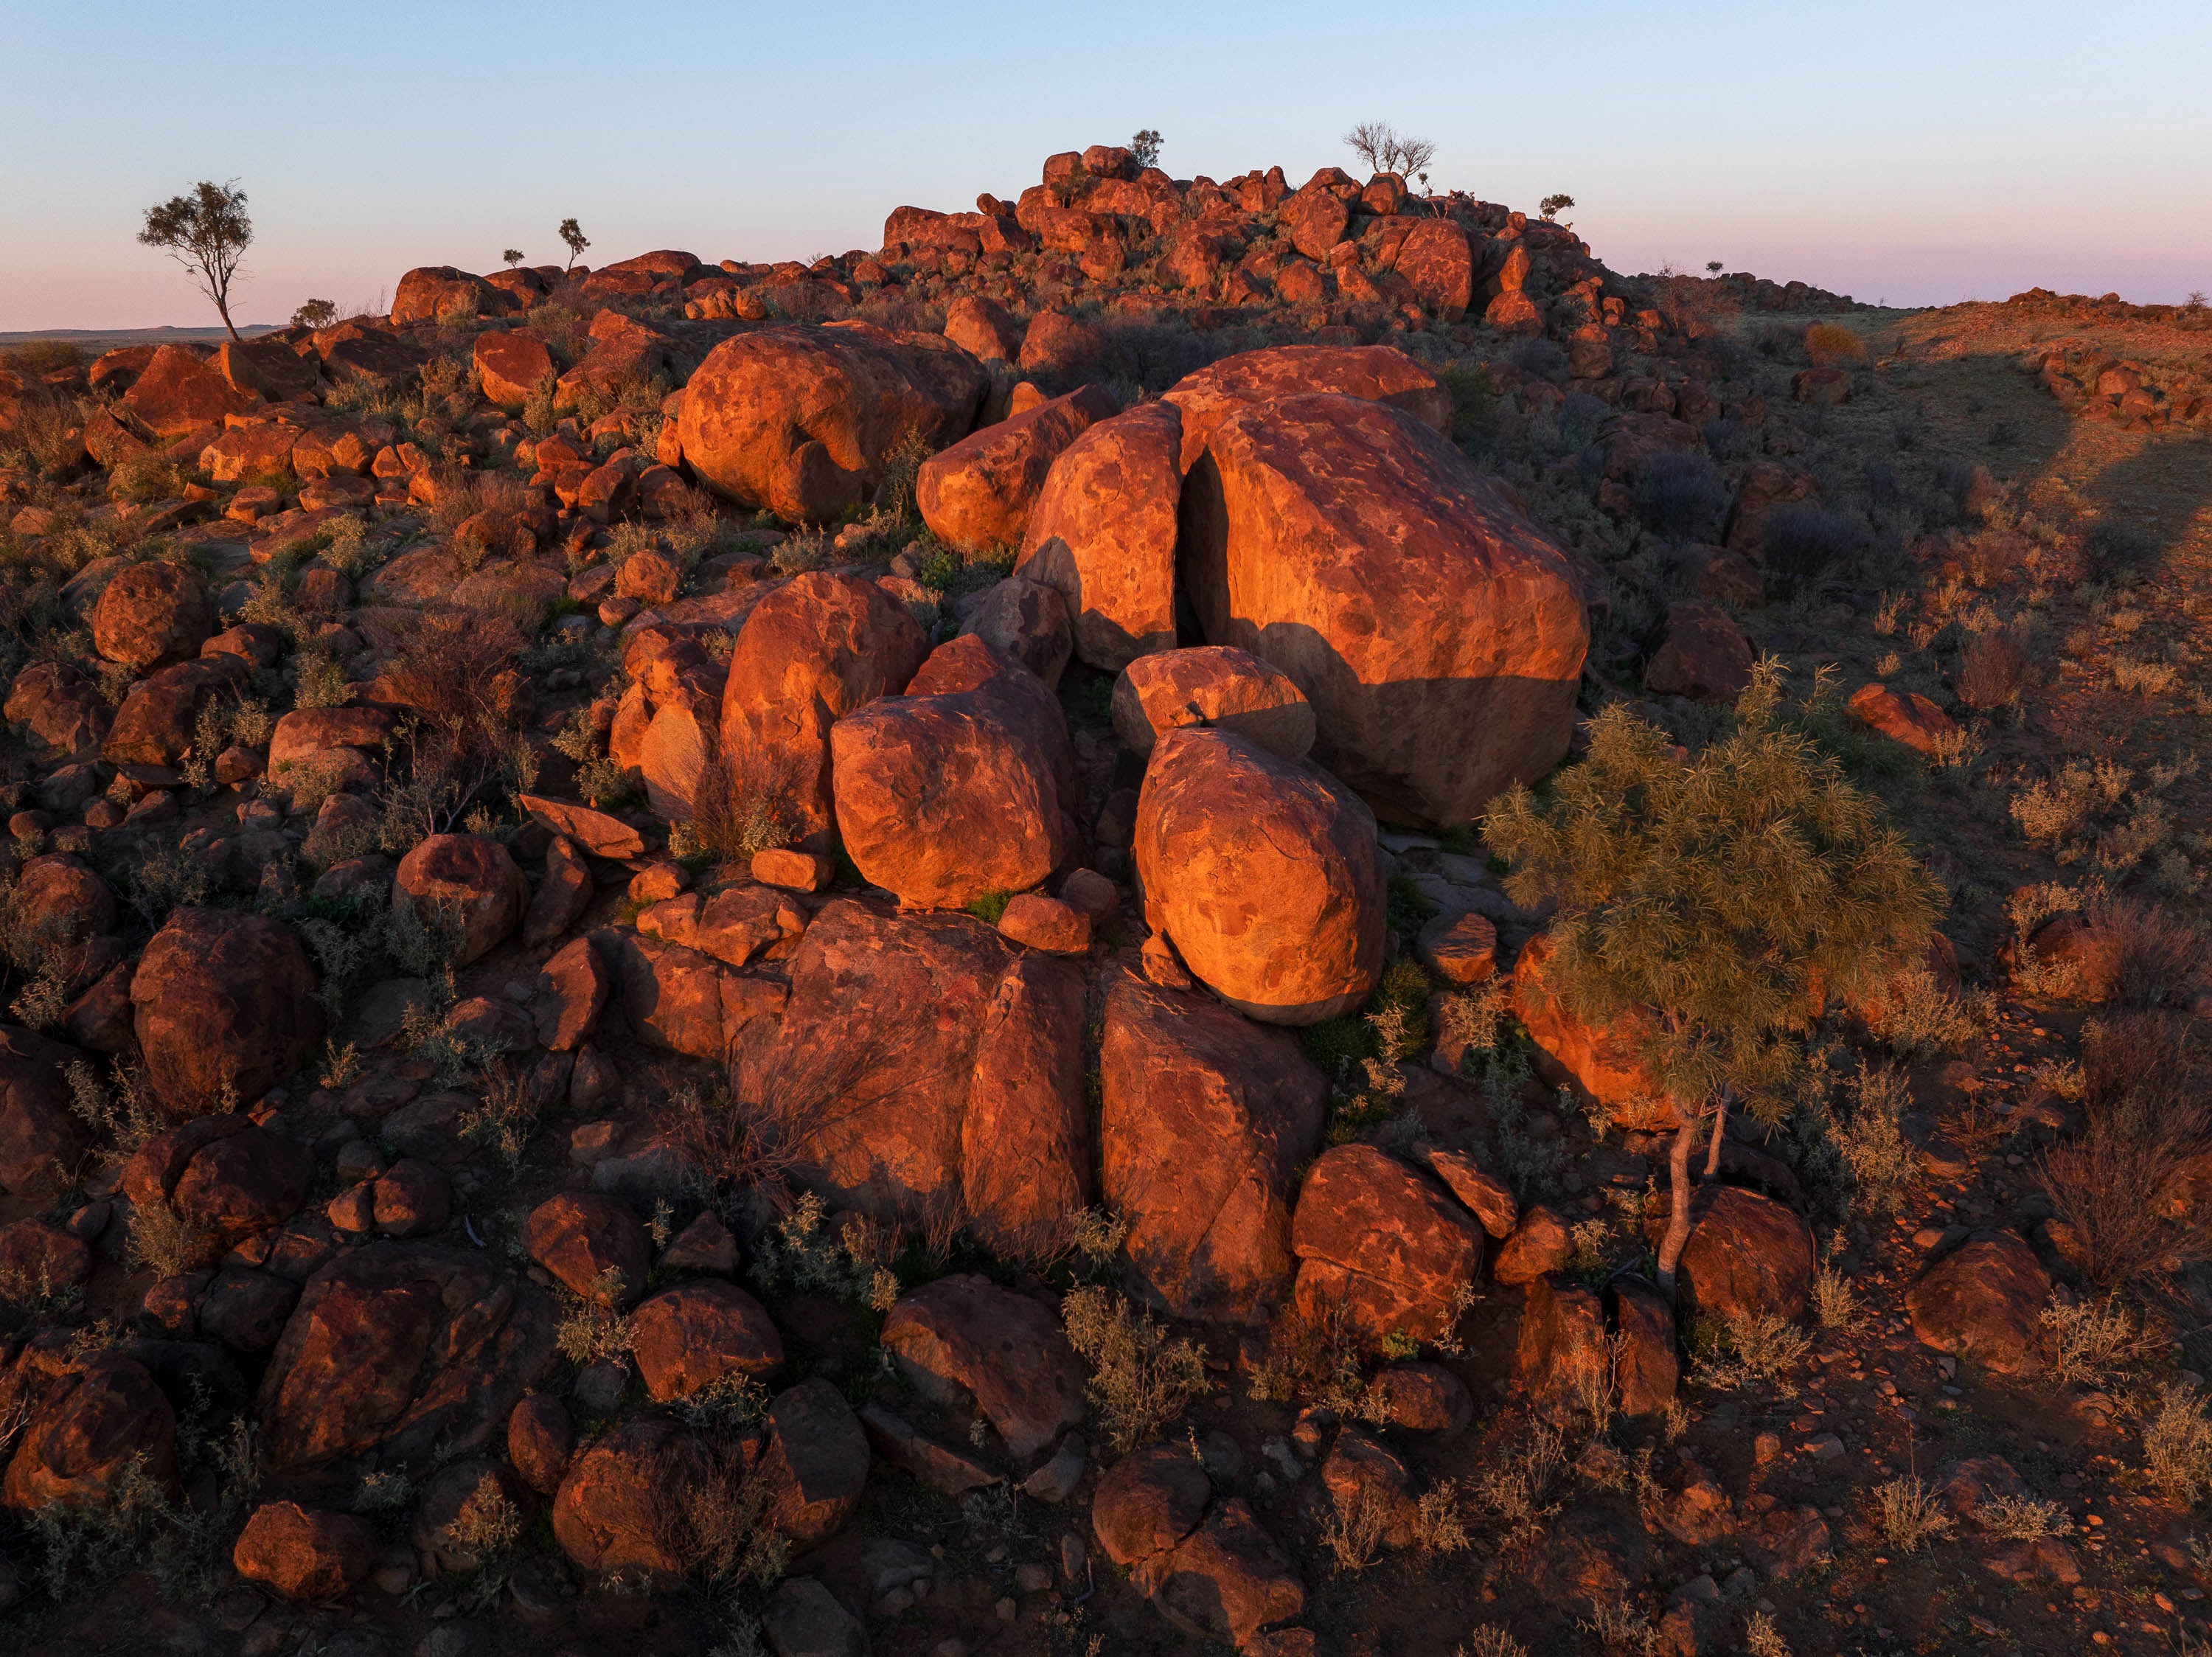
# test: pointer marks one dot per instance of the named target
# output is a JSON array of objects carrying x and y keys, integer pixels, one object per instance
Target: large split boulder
[
  {"x": 1102, "y": 531},
  {"x": 801, "y": 419},
  {"x": 943, "y": 796},
  {"x": 1205, "y": 1118},
  {"x": 922, "y": 1061},
  {"x": 810, "y": 653},
  {"x": 1387, "y": 1249},
  {"x": 1438, "y": 632},
  {"x": 1266, "y": 876},
  {"x": 977, "y": 495},
  {"x": 225, "y": 1009}
]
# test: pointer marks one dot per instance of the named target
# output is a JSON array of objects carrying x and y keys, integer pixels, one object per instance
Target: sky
[{"x": 1914, "y": 153}]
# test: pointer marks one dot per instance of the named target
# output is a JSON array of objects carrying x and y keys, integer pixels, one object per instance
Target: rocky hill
[{"x": 843, "y": 957}]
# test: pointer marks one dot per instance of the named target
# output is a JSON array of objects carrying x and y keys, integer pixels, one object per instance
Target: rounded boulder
[
  {"x": 224, "y": 1006},
  {"x": 152, "y": 614},
  {"x": 465, "y": 885},
  {"x": 1266, "y": 876}
]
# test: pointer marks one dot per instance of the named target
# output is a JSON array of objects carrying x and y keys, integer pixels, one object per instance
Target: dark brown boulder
[
  {"x": 1205, "y": 1118},
  {"x": 243, "y": 1183},
  {"x": 1103, "y": 534},
  {"x": 101, "y": 1418},
  {"x": 225, "y": 1009},
  {"x": 942, "y": 798},
  {"x": 152, "y": 614},
  {"x": 689, "y": 1337},
  {"x": 1148, "y": 1502},
  {"x": 41, "y": 1138},
  {"x": 1373, "y": 374},
  {"x": 1646, "y": 1367},
  {"x": 177, "y": 393},
  {"x": 510, "y": 365},
  {"x": 1982, "y": 1301},
  {"x": 465, "y": 885},
  {"x": 1229, "y": 1579},
  {"x": 810, "y": 652},
  {"x": 908, "y": 1040},
  {"x": 1382, "y": 1246},
  {"x": 304, "y": 1553},
  {"x": 620, "y": 1507},
  {"x": 816, "y": 1464},
  {"x": 580, "y": 1237},
  {"x": 964, "y": 1342},
  {"x": 539, "y": 1436},
  {"x": 398, "y": 1347},
  {"x": 160, "y": 715},
  {"x": 1747, "y": 1255},
  {"x": 977, "y": 495},
  {"x": 1703, "y": 655},
  {"x": 1214, "y": 686}
]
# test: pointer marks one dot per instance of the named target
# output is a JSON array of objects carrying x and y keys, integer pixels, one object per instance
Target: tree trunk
[
  {"x": 1678, "y": 1223},
  {"x": 1713, "y": 1152}
]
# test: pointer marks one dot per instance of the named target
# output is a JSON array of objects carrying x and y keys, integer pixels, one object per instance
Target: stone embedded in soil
[{"x": 1982, "y": 1302}]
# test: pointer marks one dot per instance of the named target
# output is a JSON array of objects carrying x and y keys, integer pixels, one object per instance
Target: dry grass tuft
[
  {"x": 2177, "y": 1442},
  {"x": 2127, "y": 1183},
  {"x": 1910, "y": 1515},
  {"x": 1140, "y": 1378}
]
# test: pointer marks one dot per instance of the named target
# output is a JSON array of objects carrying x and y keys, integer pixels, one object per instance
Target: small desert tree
[
  {"x": 514, "y": 256},
  {"x": 206, "y": 231},
  {"x": 576, "y": 240},
  {"x": 1721, "y": 898},
  {"x": 1385, "y": 149},
  {"x": 315, "y": 314},
  {"x": 1552, "y": 206},
  {"x": 1145, "y": 147}
]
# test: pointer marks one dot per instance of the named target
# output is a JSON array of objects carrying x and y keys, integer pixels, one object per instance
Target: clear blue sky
[{"x": 1922, "y": 153}]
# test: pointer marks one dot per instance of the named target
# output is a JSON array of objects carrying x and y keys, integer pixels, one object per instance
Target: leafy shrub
[
  {"x": 800, "y": 1258},
  {"x": 488, "y": 1525},
  {"x": 1682, "y": 495},
  {"x": 2114, "y": 546},
  {"x": 162, "y": 1241},
  {"x": 1828, "y": 344},
  {"x": 1540, "y": 358},
  {"x": 1881, "y": 1163},
  {"x": 590, "y": 1328},
  {"x": 2177, "y": 1443},
  {"x": 2023, "y": 1518},
  {"x": 2124, "y": 1184},
  {"x": 1140, "y": 1378},
  {"x": 1992, "y": 668},
  {"x": 1807, "y": 544}
]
